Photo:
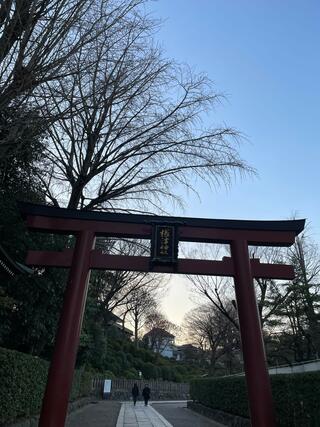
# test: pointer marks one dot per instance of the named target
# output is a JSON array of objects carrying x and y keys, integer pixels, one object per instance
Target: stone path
[{"x": 140, "y": 416}]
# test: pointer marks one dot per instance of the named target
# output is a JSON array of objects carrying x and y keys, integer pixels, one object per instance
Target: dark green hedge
[
  {"x": 82, "y": 384},
  {"x": 22, "y": 382},
  {"x": 296, "y": 397},
  {"x": 226, "y": 394}
]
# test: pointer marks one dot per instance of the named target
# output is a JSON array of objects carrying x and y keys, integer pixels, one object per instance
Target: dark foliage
[
  {"x": 22, "y": 382},
  {"x": 123, "y": 359},
  {"x": 295, "y": 397}
]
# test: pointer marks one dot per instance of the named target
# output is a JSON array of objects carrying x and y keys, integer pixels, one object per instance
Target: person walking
[
  {"x": 135, "y": 393},
  {"x": 146, "y": 394}
]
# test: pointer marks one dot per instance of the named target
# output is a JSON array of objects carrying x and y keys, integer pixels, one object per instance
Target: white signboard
[{"x": 106, "y": 388}]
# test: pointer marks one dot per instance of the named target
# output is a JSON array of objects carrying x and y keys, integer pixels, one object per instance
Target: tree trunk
[{"x": 136, "y": 326}]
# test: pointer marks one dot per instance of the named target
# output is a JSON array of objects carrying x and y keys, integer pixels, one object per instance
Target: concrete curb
[{"x": 120, "y": 419}]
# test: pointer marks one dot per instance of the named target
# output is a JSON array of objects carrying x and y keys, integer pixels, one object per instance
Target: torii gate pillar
[
  {"x": 254, "y": 358},
  {"x": 60, "y": 376}
]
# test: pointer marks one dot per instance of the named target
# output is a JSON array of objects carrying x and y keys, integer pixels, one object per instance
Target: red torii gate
[{"x": 165, "y": 233}]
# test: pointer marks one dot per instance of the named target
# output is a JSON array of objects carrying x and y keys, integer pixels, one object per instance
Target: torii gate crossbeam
[{"x": 87, "y": 225}]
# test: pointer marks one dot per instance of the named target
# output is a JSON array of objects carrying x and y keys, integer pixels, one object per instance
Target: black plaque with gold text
[{"x": 164, "y": 244}]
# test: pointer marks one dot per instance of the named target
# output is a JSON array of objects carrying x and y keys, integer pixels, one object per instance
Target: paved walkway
[
  {"x": 180, "y": 416},
  {"x": 140, "y": 416},
  {"x": 165, "y": 414},
  {"x": 103, "y": 413}
]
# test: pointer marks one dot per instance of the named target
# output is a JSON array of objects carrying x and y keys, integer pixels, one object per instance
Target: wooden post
[
  {"x": 56, "y": 398},
  {"x": 257, "y": 377}
]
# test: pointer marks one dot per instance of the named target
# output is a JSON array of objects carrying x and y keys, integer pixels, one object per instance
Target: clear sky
[{"x": 264, "y": 56}]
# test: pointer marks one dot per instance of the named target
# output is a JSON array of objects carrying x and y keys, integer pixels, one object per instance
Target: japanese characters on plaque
[{"x": 164, "y": 244}]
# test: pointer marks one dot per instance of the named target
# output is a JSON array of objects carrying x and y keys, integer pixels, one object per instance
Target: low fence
[
  {"x": 294, "y": 368},
  {"x": 160, "y": 390},
  {"x": 310, "y": 366}
]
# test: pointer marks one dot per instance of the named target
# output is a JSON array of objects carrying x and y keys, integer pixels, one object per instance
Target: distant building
[
  {"x": 189, "y": 353},
  {"x": 116, "y": 322},
  {"x": 162, "y": 342}
]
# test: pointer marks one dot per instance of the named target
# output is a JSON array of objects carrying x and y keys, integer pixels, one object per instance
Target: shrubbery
[
  {"x": 124, "y": 360},
  {"x": 227, "y": 394},
  {"x": 295, "y": 395},
  {"x": 82, "y": 384},
  {"x": 22, "y": 383},
  {"x": 296, "y": 398}
]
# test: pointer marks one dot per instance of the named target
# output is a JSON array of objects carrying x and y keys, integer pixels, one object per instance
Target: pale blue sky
[{"x": 264, "y": 56}]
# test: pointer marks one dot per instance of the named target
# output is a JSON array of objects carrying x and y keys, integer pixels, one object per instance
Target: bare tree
[
  {"x": 304, "y": 255},
  {"x": 300, "y": 314},
  {"x": 219, "y": 291},
  {"x": 271, "y": 294},
  {"x": 141, "y": 303},
  {"x": 111, "y": 290},
  {"x": 133, "y": 129},
  {"x": 38, "y": 39},
  {"x": 160, "y": 331},
  {"x": 289, "y": 310},
  {"x": 208, "y": 328}
]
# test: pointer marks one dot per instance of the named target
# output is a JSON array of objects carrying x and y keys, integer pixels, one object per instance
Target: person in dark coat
[
  {"x": 135, "y": 393},
  {"x": 146, "y": 394}
]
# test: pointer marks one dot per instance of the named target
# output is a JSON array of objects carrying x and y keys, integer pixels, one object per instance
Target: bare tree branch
[{"x": 129, "y": 123}]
